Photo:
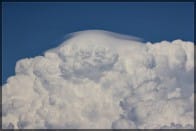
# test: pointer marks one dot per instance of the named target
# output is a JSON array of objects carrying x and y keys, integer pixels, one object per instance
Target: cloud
[{"x": 98, "y": 79}]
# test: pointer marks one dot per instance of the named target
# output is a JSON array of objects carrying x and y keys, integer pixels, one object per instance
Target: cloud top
[{"x": 100, "y": 79}]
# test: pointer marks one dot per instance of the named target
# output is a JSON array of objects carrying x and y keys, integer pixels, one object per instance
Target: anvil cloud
[{"x": 99, "y": 79}]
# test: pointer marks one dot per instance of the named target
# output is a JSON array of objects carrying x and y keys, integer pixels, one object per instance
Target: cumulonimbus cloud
[{"x": 96, "y": 79}]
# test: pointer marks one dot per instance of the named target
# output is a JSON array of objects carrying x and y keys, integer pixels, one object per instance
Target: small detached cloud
[{"x": 98, "y": 79}]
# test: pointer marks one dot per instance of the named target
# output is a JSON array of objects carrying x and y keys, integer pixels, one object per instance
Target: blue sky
[{"x": 29, "y": 29}]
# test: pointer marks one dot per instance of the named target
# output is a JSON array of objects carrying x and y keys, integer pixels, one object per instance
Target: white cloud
[{"x": 98, "y": 79}]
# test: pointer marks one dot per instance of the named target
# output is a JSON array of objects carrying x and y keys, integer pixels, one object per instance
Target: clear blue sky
[{"x": 31, "y": 28}]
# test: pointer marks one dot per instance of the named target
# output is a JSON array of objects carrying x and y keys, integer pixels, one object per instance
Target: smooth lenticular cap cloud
[{"x": 100, "y": 79}]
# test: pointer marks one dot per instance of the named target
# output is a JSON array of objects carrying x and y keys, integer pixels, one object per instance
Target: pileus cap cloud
[{"x": 99, "y": 79}]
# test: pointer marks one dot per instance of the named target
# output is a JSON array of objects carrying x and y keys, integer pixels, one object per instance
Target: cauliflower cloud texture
[{"x": 99, "y": 79}]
